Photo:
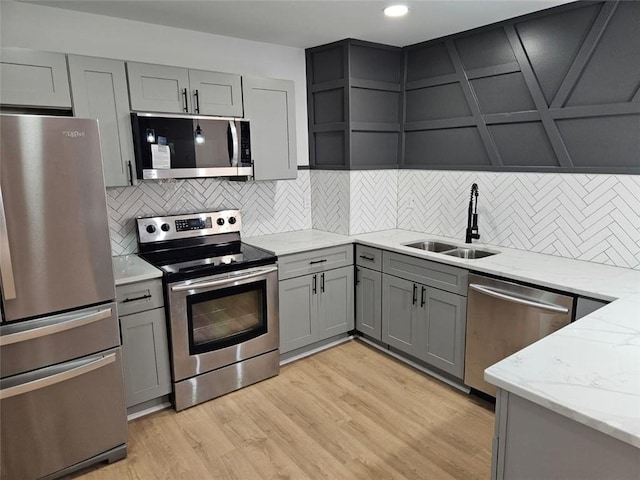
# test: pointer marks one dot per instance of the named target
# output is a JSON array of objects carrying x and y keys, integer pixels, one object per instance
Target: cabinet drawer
[
  {"x": 139, "y": 296},
  {"x": 369, "y": 257},
  {"x": 444, "y": 277},
  {"x": 290, "y": 266}
]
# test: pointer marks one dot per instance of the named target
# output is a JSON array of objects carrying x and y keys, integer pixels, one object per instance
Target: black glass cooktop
[{"x": 203, "y": 260}]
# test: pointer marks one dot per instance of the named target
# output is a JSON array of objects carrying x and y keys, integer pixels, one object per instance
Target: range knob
[
  {"x": 165, "y": 227},
  {"x": 220, "y": 221},
  {"x": 232, "y": 220},
  {"x": 151, "y": 229}
]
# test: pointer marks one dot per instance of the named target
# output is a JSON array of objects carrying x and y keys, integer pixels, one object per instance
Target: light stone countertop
[
  {"x": 131, "y": 268},
  {"x": 588, "y": 371}
]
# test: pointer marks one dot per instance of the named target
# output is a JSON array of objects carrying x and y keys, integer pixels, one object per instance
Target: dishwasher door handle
[{"x": 522, "y": 301}]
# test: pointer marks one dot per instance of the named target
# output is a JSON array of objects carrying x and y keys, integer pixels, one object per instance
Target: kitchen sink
[
  {"x": 469, "y": 253},
  {"x": 431, "y": 246}
]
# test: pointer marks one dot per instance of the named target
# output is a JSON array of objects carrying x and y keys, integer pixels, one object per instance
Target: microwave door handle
[
  {"x": 234, "y": 141},
  {"x": 6, "y": 266}
]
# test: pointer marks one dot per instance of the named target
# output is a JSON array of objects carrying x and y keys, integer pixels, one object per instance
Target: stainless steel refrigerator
[{"x": 61, "y": 388}]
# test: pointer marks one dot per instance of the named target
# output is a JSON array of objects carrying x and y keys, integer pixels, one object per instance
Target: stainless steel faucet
[{"x": 472, "y": 215}]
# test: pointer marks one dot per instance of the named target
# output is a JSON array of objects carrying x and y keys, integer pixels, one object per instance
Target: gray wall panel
[
  {"x": 503, "y": 94},
  {"x": 328, "y": 106},
  {"x": 443, "y": 101},
  {"x": 598, "y": 141},
  {"x": 327, "y": 65},
  {"x": 428, "y": 61},
  {"x": 330, "y": 149},
  {"x": 523, "y": 144},
  {"x": 375, "y": 106},
  {"x": 485, "y": 49},
  {"x": 613, "y": 72},
  {"x": 374, "y": 148},
  {"x": 456, "y": 146},
  {"x": 552, "y": 42},
  {"x": 375, "y": 63}
]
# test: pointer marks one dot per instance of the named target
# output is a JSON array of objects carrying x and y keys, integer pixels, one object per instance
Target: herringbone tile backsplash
[
  {"x": 587, "y": 217},
  {"x": 267, "y": 207}
]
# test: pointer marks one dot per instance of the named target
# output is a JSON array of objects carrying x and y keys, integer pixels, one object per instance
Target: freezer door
[
  {"x": 46, "y": 341},
  {"x": 59, "y": 416},
  {"x": 55, "y": 253}
]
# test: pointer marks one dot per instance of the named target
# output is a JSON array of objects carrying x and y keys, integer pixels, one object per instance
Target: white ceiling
[{"x": 307, "y": 23}]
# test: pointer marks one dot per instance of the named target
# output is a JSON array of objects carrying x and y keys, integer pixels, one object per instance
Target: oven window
[{"x": 226, "y": 317}]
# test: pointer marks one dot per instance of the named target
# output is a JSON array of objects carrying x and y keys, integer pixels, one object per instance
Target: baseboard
[{"x": 313, "y": 350}]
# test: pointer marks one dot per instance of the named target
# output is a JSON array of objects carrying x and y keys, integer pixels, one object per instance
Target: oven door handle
[{"x": 223, "y": 281}]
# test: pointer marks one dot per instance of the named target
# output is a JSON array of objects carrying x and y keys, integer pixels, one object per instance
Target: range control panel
[{"x": 173, "y": 227}]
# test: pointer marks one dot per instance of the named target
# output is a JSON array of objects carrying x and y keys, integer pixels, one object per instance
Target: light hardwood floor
[{"x": 349, "y": 412}]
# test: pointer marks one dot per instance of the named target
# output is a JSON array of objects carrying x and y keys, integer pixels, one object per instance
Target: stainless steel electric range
[{"x": 221, "y": 303}]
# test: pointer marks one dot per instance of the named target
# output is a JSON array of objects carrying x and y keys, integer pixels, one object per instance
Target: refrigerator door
[{"x": 54, "y": 236}]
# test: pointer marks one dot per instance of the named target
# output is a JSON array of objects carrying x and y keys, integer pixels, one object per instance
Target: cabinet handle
[
  {"x": 357, "y": 276},
  {"x": 366, "y": 257},
  {"x": 422, "y": 296},
  {"x": 185, "y": 107},
  {"x": 135, "y": 299},
  {"x": 322, "y": 283},
  {"x": 318, "y": 261},
  {"x": 315, "y": 284},
  {"x": 196, "y": 96},
  {"x": 415, "y": 294},
  {"x": 130, "y": 172}
]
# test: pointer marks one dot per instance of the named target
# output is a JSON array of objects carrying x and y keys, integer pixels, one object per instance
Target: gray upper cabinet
[
  {"x": 215, "y": 93},
  {"x": 99, "y": 88},
  {"x": 160, "y": 88},
  {"x": 30, "y": 78},
  {"x": 270, "y": 107}
]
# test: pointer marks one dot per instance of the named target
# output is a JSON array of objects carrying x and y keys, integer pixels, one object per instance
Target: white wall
[{"x": 52, "y": 29}]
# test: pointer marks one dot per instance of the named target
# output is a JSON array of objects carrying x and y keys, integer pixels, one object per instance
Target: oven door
[{"x": 223, "y": 319}]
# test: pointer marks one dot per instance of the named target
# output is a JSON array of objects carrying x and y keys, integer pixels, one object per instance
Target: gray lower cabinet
[
  {"x": 424, "y": 322},
  {"x": 270, "y": 106},
  {"x": 30, "y": 78},
  {"x": 145, "y": 347},
  {"x": 533, "y": 442},
  {"x": 99, "y": 88},
  {"x": 161, "y": 88},
  {"x": 315, "y": 307},
  {"x": 369, "y": 302}
]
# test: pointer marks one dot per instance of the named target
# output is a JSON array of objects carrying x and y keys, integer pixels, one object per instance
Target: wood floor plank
[{"x": 350, "y": 412}]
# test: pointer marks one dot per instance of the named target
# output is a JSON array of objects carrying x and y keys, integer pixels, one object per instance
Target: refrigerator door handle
[
  {"x": 6, "y": 267},
  {"x": 55, "y": 328},
  {"x": 27, "y": 387}
]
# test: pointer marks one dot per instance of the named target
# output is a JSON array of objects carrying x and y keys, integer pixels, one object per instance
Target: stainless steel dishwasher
[{"x": 504, "y": 317}]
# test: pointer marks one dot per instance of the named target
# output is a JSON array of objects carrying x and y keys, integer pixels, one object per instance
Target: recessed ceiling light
[{"x": 396, "y": 10}]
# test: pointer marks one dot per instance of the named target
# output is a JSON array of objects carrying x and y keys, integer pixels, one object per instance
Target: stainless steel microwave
[{"x": 181, "y": 146}]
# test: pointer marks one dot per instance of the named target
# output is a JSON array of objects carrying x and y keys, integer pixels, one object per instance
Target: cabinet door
[
  {"x": 269, "y": 105},
  {"x": 444, "y": 331},
  {"x": 369, "y": 302},
  {"x": 298, "y": 312},
  {"x": 215, "y": 93},
  {"x": 336, "y": 301},
  {"x": 34, "y": 79},
  {"x": 158, "y": 88},
  {"x": 99, "y": 89},
  {"x": 145, "y": 354},
  {"x": 400, "y": 315}
]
